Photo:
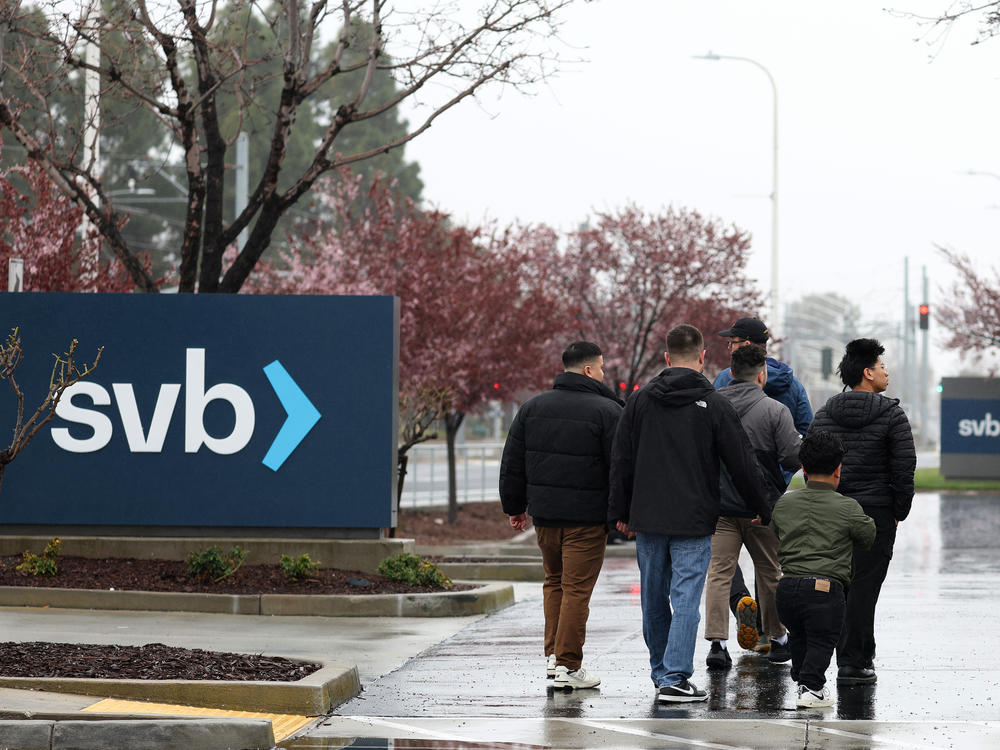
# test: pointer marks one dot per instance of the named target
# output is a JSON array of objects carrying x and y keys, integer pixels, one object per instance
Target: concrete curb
[
  {"x": 150, "y": 734},
  {"x": 501, "y": 570},
  {"x": 313, "y": 695},
  {"x": 483, "y": 599}
]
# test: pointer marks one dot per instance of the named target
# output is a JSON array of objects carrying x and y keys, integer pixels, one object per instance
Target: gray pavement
[{"x": 477, "y": 681}]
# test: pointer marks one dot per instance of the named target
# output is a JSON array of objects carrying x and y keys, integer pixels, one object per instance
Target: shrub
[
  {"x": 295, "y": 568},
  {"x": 46, "y": 565},
  {"x": 213, "y": 563},
  {"x": 412, "y": 569}
]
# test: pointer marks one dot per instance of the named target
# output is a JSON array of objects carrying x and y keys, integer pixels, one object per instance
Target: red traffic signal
[{"x": 925, "y": 313}]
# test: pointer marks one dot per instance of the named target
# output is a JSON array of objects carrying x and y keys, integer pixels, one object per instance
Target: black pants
[
  {"x": 814, "y": 619},
  {"x": 857, "y": 642}
]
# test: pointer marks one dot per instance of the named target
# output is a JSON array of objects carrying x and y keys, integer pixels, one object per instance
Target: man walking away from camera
[
  {"x": 665, "y": 488},
  {"x": 555, "y": 467},
  {"x": 878, "y": 473},
  {"x": 769, "y": 427}
]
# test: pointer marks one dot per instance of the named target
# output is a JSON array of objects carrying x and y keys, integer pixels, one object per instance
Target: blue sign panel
[
  {"x": 208, "y": 410},
  {"x": 970, "y": 425}
]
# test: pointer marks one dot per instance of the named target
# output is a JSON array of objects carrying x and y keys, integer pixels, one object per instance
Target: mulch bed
[
  {"x": 126, "y": 574},
  {"x": 153, "y": 661}
]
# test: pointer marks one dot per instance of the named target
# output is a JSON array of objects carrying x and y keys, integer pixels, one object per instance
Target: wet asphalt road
[{"x": 938, "y": 662}]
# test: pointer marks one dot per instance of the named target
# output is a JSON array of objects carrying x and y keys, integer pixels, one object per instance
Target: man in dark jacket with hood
[
  {"x": 878, "y": 473},
  {"x": 665, "y": 488},
  {"x": 555, "y": 467}
]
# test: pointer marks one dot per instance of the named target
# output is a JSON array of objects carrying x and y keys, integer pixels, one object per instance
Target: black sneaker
[
  {"x": 682, "y": 692},
  {"x": 779, "y": 652},
  {"x": 718, "y": 657},
  {"x": 855, "y": 676}
]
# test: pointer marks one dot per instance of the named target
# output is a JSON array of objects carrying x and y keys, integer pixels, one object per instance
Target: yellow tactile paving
[{"x": 283, "y": 725}]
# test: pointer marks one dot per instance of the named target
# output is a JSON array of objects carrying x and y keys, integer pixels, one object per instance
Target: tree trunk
[
  {"x": 401, "y": 461},
  {"x": 452, "y": 421}
]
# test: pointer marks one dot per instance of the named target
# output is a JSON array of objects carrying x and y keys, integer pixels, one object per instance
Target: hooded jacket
[
  {"x": 880, "y": 461},
  {"x": 556, "y": 459},
  {"x": 666, "y": 458},
  {"x": 773, "y": 436},
  {"x": 782, "y": 386}
]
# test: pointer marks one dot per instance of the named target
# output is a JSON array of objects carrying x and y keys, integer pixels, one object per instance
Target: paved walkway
[{"x": 938, "y": 666}]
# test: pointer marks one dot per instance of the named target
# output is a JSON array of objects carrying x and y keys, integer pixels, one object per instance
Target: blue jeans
[{"x": 672, "y": 572}]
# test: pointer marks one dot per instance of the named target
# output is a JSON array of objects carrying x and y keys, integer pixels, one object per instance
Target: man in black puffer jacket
[
  {"x": 555, "y": 466},
  {"x": 878, "y": 473}
]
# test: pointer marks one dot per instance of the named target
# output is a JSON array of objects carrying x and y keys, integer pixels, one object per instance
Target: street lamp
[{"x": 775, "y": 308}]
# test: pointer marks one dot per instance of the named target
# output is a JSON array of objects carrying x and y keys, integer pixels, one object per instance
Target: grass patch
[{"x": 930, "y": 480}]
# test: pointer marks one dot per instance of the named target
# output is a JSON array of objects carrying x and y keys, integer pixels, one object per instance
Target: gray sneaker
[
  {"x": 578, "y": 679},
  {"x": 683, "y": 692}
]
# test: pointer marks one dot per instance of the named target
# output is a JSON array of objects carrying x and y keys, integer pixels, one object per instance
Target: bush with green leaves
[
  {"x": 299, "y": 567},
  {"x": 46, "y": 565},
  {"x": 414, "y": 570},
  {"x": 214, "y": 563}
]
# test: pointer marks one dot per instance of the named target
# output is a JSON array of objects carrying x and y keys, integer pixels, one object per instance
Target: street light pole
[{"x": 775, "y": 321}]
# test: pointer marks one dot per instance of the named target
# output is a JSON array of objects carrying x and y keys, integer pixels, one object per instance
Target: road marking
[
  {"x": 646, "y": 733},
  {"x": 375, "y": 721}
]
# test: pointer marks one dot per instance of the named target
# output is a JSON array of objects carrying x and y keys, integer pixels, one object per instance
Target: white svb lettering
[
  {"x": 986, "y": 427},
  {"x": 196, "y": 399}
]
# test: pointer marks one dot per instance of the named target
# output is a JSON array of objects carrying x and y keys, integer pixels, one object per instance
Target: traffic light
[
  {"x": 827, "y": 353},
  {"x": 925, "y": 313}
]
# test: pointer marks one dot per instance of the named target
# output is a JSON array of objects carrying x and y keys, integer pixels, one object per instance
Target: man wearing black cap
[{"x": 784, "y": 387}]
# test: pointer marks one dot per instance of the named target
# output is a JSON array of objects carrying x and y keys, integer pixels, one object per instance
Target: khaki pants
[
  {"x": 572, "y": 557},
  {"x": 732, "y": 532}
]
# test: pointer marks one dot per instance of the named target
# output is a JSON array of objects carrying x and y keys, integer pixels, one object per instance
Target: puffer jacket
[
  {"x": 782, "y": 386},
  {"x": 556, "y": 459},
  {"x": 881, "y": 458},
  {"x": 773, "y": 436},
  {"x": 673, "y": 435}
]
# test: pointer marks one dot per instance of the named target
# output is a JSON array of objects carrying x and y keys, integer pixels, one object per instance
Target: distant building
[{"x": 814, "y": 323}]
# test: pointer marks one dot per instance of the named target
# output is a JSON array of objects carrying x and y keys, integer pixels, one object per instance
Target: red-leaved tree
[
  {"x": 41, "y": 226},
  {"x": 970, "y": 308},
  {"x": 637, "y": 275},
  {"x": 477, "y": 319}
]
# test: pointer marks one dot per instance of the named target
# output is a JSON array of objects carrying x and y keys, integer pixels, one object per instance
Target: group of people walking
[{"x": 694, "y": 471}]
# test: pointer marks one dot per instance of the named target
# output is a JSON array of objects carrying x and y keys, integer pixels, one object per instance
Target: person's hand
[
  {"x": 519, "y": 522},
  {"x": 623, "y": 528},
  {"x": 755, "y": 521}
]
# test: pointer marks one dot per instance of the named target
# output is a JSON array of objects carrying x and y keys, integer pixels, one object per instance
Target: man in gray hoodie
[{"x": 775, "y": 440}]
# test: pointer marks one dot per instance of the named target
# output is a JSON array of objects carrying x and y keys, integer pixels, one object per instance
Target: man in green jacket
[{"x": 817, "y": 530}]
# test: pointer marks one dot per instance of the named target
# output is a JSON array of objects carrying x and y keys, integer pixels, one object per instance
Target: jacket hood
[
  {"x": 679, "y": 386},
  {"x": 742, "y": 395},
  {"x": 856, "y": 409},
  {"x": 779, "y": 378},
  {"x": 574, "y": 381}
]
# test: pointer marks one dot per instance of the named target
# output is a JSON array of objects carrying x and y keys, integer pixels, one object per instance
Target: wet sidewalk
[{"x": 938, "y": 667}]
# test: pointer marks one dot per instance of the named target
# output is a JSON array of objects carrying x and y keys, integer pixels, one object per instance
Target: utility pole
[
  {"x": 908, "y": 364},
  {"x": 924, "y": 370}
]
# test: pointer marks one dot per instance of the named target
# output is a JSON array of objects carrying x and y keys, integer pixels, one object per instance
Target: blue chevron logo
[{"x": 302, "y": 415}]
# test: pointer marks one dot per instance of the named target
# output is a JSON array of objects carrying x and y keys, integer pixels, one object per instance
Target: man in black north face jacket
[
  {"x": 877, "y": 472},
  {"x": 555, "y": 467}
]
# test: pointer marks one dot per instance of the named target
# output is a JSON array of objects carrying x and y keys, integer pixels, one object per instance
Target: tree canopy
[{"x": 322, "y": 85}]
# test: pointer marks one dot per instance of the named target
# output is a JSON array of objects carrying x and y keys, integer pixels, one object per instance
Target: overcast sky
[{"x": 878, "y": 128}]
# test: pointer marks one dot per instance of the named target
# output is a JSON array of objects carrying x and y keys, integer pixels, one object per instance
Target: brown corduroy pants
[{"x": 572, "y": 557}]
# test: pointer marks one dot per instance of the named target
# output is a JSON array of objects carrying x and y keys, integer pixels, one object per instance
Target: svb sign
[
  {"x": 970, "y": 428},
  {"x": 236, "y": 411}
]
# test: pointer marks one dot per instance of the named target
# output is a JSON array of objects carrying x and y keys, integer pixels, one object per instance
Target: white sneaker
[
  {"x": 578, "y": 679},
  {"x": 813, "y": 698},
  {"x": 550, "y": 666}
]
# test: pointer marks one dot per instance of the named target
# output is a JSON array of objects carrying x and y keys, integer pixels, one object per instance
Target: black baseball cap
[{"x": 751, "y": 329}]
